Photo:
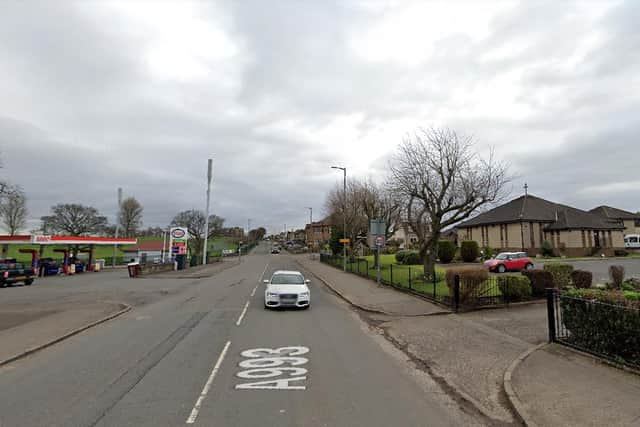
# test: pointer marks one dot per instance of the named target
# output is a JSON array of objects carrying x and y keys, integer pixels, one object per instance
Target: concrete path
[
  {"x": 366, "y": 294},
  {"x": 557, "y": 386}
]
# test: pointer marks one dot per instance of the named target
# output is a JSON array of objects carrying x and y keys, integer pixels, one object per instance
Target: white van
[{"x": 632, "y": 241}]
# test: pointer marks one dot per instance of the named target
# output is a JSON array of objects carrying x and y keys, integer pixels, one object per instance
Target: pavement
[
  {"x": 497, "y": 359},
  {"x": 206, "y": 352}
]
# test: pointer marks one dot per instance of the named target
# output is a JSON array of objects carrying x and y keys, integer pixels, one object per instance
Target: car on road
[
  {"x": 509, "y": 261},
  {"x": 15, "y": 272},
  {"x": 275, "y": 250},
  {"x": 632, "y": 241},
  {"x": 287, "y": 289}
]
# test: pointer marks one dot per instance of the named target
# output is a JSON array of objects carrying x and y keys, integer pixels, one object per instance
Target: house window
[
  {"x": 506, "y": 236},
  {"x": 636, "y": 222},
  {"x": 501, "y": 237},
  {"x": 610, "y": 239},
  {"x": 531, "y": 236},
  {"x": 584, "y": 240},
  {"x": 317, "y": 229}
]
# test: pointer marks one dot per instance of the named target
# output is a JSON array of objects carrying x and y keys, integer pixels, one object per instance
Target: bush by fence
[
  {"x": 561, "y": 274},
  {"x": 407, "y": 257},
  {"x": 514, "y": 287},
  {"x": 602, "y": 322},
  {"x": 582, "y": 279},
  {"x": 472, "y": 282},
  {"x": 540, "y": 280},
  {"x": 616, "y": 274}
]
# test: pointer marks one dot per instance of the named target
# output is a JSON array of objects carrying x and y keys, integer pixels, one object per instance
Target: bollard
[
  {"x": 551, "y": 314},
  {"x": 409, "y": 277}
]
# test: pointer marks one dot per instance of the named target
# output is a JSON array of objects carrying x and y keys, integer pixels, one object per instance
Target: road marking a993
[{"x": 279, "y": 369}]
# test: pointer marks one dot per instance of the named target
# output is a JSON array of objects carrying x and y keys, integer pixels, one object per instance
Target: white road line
[
  {"x": 244, "y": 311},
  {"x": 207, "y": 386},
  {"x": 263, "y": 271},
  {"x": 254, "y": 290}
]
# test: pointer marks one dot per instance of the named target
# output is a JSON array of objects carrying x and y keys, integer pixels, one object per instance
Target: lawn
[{"x": 392, "y": 272}]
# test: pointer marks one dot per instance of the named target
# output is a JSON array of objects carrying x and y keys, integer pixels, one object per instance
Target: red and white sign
[
  {"x": 379, "y": 241},
  {"x": 40, "y": 239}
]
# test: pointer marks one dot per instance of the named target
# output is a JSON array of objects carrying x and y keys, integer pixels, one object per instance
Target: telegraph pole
[{"x": 206, "y": 221}]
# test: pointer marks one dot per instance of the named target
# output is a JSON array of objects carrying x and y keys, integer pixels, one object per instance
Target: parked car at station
[
  {"x": 509, "y": 261},
  {"x": 12, "y": 272}
]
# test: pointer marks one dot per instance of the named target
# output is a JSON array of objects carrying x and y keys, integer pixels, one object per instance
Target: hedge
[
  {"x": 406, "y": 257},
  {"x": 616, "y": 273},
  {"x": 472, "y": 279},
  {"x": 604, "y": 322},
  {"x": 561, "y": 274},
  {"x": 446, "y": 251},
  {"x": 514, "y": 287},
  {"x": 469, "y": 251},
  {"x": 540, "y": 280}
]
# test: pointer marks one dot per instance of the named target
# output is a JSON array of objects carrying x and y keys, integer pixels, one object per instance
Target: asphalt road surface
[{"x": 211, "y": 355}]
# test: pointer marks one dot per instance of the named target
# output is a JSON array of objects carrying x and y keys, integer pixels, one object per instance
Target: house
[
  {"x": 151, "y": 251},
  {"x": 524, "y": 223},
  {"x": 317, "y": 233},
  {"x": 629, "y": 220},
  {"x": 405, "y": 235}
]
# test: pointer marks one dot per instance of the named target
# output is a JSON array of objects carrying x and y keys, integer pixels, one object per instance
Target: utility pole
[
  {"x": 248, "y": 227},
  {"x": 115, "y": 246},
  {"x": 311, "y": 224},
  {"x": 344, "y": 215},
  {"x": 206, "y": 221}
]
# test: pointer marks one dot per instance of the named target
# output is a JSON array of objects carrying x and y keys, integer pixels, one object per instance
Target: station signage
[
  {"x": 40, "y": 239},
  {"x": 178, "y": 237}
]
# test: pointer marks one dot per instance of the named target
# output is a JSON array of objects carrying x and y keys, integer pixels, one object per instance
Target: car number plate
[{"x": 20, "y": 277}]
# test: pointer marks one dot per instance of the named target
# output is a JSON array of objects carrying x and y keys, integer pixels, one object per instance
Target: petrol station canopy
[{"x": 39, "y": 239}]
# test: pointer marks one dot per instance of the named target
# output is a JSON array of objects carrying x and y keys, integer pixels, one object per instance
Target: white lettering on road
[
  {"x": 263, "y": 363},
  {"x": 207, "y": 386},
  {"x": 244, "y": 311}
]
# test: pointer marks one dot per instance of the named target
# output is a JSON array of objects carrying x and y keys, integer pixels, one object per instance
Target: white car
[{"x": 287, "y": 289}]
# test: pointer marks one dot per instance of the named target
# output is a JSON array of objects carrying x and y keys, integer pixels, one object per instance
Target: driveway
[{"x": 600, "y": 268}]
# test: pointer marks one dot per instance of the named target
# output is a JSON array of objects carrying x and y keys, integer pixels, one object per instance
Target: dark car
[{"x": 12, "y": 273}]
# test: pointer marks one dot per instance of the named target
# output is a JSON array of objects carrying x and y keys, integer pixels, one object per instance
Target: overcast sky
[{"x": 96, "y": 95}]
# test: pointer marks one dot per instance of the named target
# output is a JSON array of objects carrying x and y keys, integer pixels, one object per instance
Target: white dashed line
[
  {"x": 207, "y": 386},
  {"x": 254, "y": 290},
  {"x": 244, "y": 311}
]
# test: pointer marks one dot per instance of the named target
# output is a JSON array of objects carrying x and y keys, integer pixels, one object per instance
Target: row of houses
[{"x": 524, "y": 224}]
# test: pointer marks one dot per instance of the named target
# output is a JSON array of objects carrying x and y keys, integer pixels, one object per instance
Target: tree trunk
[
  {"x": 429, "y": 255},
  {"x": 5, "y": 250}
]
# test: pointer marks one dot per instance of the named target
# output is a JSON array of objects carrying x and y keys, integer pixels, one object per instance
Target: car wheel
[
  {"x": 529, "y": 266},
  {"x": 501, "y": 268},
  {"x": 28, "y": 282}
]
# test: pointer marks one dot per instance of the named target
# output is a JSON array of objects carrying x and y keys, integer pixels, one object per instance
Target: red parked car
[{"x": 509, "y": 261}]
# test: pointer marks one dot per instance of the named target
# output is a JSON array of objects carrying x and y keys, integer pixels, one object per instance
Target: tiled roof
[
  {"x": 613, "y": 213},
  {"x": 150, "y": 246},
  {"x": 534, "y": 209}
]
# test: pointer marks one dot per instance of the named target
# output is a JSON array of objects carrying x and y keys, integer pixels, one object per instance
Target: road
[
  {"x": 600, "y": 268},
  {"x": 211, "y": 355}
]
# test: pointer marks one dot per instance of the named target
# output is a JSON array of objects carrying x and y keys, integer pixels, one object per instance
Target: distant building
[
  {"x": 235, "y": 232},
  {"x": 150, "y": 251},
  {"x": 523, "y": 224},
  {"x": 405, "y": 235},
  {"x": 317, "y": 233}
]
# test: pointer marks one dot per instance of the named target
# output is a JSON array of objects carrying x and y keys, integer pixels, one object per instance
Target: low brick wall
[{"x": 155, "y": 268}]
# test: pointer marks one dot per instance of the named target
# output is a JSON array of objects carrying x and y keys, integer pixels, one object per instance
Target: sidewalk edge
[
  {"x": 65, "y": 336},
  {"x": 513, "y": 399}
]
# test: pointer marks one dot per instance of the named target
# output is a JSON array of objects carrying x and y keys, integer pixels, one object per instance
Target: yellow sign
[{"x": 345, "y": 240}]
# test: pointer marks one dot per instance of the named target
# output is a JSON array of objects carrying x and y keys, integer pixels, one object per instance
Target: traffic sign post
[{"x": 377, "y": 235}]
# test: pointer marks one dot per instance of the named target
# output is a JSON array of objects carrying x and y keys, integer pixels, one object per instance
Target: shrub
[
  {"x": 446, "y": 251},
  {"x": 411, "y": 258},
  {"x": 561, "y": 274},
  {"x": 400, "y": 256},
  {"x": 616, "y": 273},
  {"x": 392, "y": 249},
  {"x": 581, "y": 279},
  {"x": 472, "y": 279},
  {"x": 514, "y": 287},
  {"x": 469, "y": 251},
  {"x": 627, "y": 285},
  {"x": 540, "y": 280},
  {"x": 611, "y": 328},
  {"x": 547, "y": 249},
  {"x": 620, "y": 252},
  {"x": 487, "y": 252}
]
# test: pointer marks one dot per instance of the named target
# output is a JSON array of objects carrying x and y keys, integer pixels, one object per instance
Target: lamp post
[
  {"x": 310, "y": 223},
  {"x": 344, "y": 215},
  {"x": 206, "y": 221}
]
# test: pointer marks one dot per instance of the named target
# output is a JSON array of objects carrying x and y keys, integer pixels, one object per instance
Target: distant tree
[
  {"x": 13, "y": 212},
  {"x": 194, "y": 220},
  {"x": 442, "y": 181},
  {"x": 74, "y": 219},
  {"x": 130, "y": 216}
]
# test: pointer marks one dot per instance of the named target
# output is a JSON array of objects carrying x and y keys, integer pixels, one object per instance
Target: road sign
[
  {"x": 345, "y": 240},
  {"x": 380, "y": 241},
  {"x": 377, "y": 228}
]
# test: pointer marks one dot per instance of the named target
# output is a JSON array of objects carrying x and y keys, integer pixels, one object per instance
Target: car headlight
[
  {"x": 272, "y": 294},
  {"x": 304, "y": 294}
]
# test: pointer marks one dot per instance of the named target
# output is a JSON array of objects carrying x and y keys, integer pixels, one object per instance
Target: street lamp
[
  {"x": 344, "y": 215},
  {"x": 311, "y": 233}
]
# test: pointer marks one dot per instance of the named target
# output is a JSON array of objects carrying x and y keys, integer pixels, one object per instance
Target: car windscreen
[{"x": 287, "y": 279}]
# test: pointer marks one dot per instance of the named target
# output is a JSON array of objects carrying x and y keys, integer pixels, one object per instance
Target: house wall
[{"x": 630, "y": 227}]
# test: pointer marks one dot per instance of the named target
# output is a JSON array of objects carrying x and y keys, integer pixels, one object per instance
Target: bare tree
[
  {"x": 13, "y": 212},
  {"x": 377, "y": 202},
  {"x": 194, "y": 220},
  {"x": 355, "y": 218},
  {"x": 443, "y": 181},
  {"x": 130, "y": 216},
  {"x": 73, "y": 219}
]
